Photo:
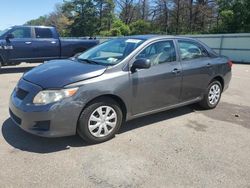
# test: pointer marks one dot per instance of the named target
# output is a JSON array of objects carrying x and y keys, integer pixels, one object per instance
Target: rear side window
[
  {"x": 20, "y": 33},
  {"x": 43, "y": 33},
  {"x": 191, "y": 50}
]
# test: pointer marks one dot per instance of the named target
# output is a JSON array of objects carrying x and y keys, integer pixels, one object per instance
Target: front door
[
  {"x": 20, "y": 48},
  {"x": 160, "y": 85}
]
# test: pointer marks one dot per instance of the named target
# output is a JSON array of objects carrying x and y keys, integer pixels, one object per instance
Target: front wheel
[
  {"x": 100, "y": 121},
  {"x": 212, "y": 96}
]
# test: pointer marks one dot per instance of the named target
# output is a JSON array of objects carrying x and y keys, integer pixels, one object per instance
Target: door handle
[
  {"x": 176, "y": 71},
  {"x": 208, "y": 65},
  {"x": 28, "y": 42},
  {"x": 53, "y": 42}
]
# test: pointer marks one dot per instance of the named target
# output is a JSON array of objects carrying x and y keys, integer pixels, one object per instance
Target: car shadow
[
  {"x": 24, "y": 141},
  {"x": 14, "y": 70},
  {"x": 21, "y": 140},
  {"x": 228, "y": 112}
]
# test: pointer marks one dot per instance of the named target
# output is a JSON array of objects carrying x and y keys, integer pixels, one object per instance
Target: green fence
[{"x": 234, "y": 46}]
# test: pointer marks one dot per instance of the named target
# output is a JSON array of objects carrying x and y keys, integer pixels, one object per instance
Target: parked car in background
[
  {"x": 118, "y": 80},
  {"x": 37, "y": 44}
]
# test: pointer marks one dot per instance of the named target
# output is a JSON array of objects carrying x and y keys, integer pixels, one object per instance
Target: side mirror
[
  {"x": 9, "y": 36},
  {"x": 141, "y": 64}
]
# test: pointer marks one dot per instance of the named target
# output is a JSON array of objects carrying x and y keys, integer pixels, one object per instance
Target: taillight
[{"x": 230, "y": 63}]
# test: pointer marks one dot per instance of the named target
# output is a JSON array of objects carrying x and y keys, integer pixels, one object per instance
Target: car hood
[{"x": 59, "y": 73}]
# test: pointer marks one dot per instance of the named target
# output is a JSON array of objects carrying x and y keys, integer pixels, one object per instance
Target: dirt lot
[{"x": 185, "y": 147}]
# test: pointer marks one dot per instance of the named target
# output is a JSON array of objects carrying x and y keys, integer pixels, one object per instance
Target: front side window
[
  {"x": 159, "y": 52},
  {"x": 191, "y": 50},
  {"x": 20, "y": 33},
  {"x": 111, "y": 52},
  {"x": 43, "y": 33},
  {"x": 2, "y": 33}
]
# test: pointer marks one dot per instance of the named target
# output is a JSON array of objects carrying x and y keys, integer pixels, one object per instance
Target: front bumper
[{"x": 53, "y": 120}]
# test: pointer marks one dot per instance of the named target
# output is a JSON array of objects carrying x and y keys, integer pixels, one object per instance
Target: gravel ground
[{"x": 185, "y": 147}]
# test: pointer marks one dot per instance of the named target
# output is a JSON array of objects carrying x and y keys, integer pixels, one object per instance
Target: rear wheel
[
  {"x": 212, "y": 96},
  {"x": 100, "y": 121}
]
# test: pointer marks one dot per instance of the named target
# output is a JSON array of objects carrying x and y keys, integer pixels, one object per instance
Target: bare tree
[
  {"x": 144, "y": 5},
  {"x": 191, "y": 2},
  {"x": 127, "y": 10},
  {"x": 160, "y": 14}
]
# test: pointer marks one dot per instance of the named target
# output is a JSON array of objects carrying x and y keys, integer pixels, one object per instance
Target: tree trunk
[
  {"x": 191, "y": 15},
  {"x": 177, "y": 17}
]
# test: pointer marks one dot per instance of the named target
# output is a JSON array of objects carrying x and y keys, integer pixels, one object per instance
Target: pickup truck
[{"x": 33, "y": 44}]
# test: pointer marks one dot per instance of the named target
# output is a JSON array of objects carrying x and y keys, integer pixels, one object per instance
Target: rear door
[
  {"x": 46, "y": 44},
  {"x": 20, "y": 48},
  {"x": 197, "y": 69},
  {"x": 160, "y": 85}
]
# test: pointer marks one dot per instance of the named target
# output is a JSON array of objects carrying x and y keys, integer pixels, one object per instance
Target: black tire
[
  {"x": 205, "y": 103},
  {"x": 82, "y": 127}
]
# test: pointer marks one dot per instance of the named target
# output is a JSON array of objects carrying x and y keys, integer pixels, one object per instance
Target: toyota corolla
[{"x": 93, "y": 93}]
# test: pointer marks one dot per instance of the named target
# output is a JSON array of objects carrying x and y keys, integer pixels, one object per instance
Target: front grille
[
  {"x": 21, "y": 94},
  {"x": 15, "y": 118}
]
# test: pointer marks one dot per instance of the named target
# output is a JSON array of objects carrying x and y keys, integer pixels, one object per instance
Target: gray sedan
[{"x": 121, "y": 79}]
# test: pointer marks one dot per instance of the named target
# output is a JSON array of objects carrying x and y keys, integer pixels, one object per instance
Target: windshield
[
  {"x": 111, "y": 52},
  {"x": 4, "y": 31}
]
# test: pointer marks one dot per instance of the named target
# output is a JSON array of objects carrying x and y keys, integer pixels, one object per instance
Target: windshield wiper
[{"x": 88, "y": 61}]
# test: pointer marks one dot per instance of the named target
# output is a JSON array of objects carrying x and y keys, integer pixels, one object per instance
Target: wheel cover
[
  {"x": 102, "y": 121},
  {"x": 214, "y": 94}
]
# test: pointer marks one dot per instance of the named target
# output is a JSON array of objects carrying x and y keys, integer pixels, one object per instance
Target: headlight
[{"x": 50, "y": 96}]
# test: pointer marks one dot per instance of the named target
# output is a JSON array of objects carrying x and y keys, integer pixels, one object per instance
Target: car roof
[
  {"x": 149, "y": 37},
  {"x": 141, "y": 37}
]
